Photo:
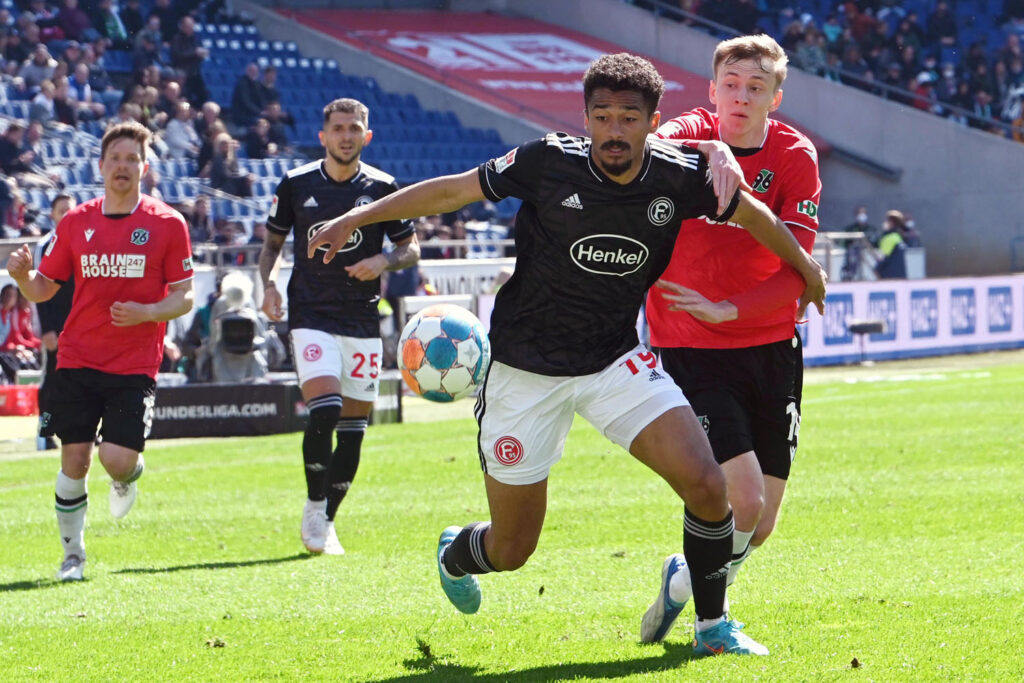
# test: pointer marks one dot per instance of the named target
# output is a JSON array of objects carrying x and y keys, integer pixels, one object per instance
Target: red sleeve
[
  {"x": 692, "y": 126},
  {"x": 781, "y": 289},
  {"x": 56, "y": 263},
  {"x": 178, "y": 254}
]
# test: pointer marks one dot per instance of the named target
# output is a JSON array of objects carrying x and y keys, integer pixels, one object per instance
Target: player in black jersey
[
  {"x": 596, "y": 229},
  {"x": 332, "y": 307}
]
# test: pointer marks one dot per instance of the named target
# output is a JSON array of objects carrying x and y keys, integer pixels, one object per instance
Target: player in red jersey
[
  {"x": 132, "y": 263},
  {"x": 734, "y": 349}
]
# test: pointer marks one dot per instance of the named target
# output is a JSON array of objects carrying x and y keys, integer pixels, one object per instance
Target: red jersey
[
  {"x": 722, "y": 261},
  {"x": 127, "y": 258}
]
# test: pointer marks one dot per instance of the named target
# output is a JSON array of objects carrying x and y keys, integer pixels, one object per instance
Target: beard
[
  {"x": 342, "y": 160},
  {"x": 620, "y": 167}
]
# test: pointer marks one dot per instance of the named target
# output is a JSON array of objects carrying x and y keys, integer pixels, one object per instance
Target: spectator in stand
[
  {"x": 89, "y": 108},
  {"x": 99, "y": 78},
  {"x": 168, "y": 15},
  {"x": 65, "y": 108},
  {"x": 43, "y": 108},
  {"x": 156, "y": 119},
  {"x": 224, "y": 172},
  {"x": 38, "y": 68},
  {"x": 170, "y": 97},
  {"x": 946, "y": 86},
  {"x": 891, "y": 248},
  {"x": 200, "y": 222},
  {"x": 187, "y": 55},
  {"x": 181, "y": 137},
  {"x": 247, "y": 98},
  {"x": 74, "y": 22},
  {"x": 268, "y": 86},
  {"x": 20, "y": 347},
  {"x": 811, "y": 52},
  {"x": 147, "y": 48},
  {"x": 982, "y": 109},
  {"x": 151, "y": 184},
  {"x": 278, "y": 119},
  {"x": 210, "y": 113},
  {"x": 131, "y": 17},
  {"x": 107, "y": 21},
  {"x": 258, "y": 144},
  {"x": 206, "y": 149},
  {"x": 911, "y": 237},
  {"x": 942, "y": 25}
]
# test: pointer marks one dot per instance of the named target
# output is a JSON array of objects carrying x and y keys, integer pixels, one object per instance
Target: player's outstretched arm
[
  {"x": 269, "y": 265},
  {"x": 770, "y": 231},
  {"x": 34, "y": 285},
  {"x": 425, "y": 198},
  {"x": 178, "y": 302}
]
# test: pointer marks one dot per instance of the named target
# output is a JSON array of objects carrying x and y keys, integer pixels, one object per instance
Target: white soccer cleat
[
  {"x": 314, "y": 526},
  {"x": 71, "y": 569},
  {"x": 332, "y": 546},
  {"x": 122, "y": 497}
]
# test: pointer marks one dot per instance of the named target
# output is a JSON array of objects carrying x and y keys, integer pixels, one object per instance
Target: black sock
[
  {"x": 316, "y": 443},
  {"x": 708, "y": 550},
  {"x": 466, "y": 554},
  {"x": 345, "y": 461}
]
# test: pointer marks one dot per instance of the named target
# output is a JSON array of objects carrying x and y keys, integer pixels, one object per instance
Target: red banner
[{"x": 522, "y": 66}]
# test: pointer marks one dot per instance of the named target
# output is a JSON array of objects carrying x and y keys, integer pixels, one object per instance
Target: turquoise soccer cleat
[
  {"x": 463, "y": 592},
  {"x": 726, "y": 638}
]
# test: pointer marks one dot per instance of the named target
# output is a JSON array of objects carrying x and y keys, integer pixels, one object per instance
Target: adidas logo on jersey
[
  {"x": 573, "y": 202},
  {"x": 310, "y": 203}
]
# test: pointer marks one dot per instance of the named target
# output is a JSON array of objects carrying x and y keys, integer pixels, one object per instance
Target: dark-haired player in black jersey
[
  {"x": 597, "y": 226},
  {"x": 332, "y": 307}
]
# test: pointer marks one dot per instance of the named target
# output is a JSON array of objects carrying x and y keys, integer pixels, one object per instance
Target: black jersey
[
  {"x": 322, "y": 296},
  {"x": 587, "y": 248}
]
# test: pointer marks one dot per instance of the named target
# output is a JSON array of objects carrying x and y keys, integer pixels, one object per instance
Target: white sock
[
  {"x": 679, "y": 588},
  {"x": 72, "y": 502},
  {"x": 705, "y": 624},
  {"x": 741, "y": 550}
]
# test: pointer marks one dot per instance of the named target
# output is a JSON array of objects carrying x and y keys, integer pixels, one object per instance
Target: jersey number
[
  {"x": 647, "y": 358},
  {"x": 360, "y": 359}
]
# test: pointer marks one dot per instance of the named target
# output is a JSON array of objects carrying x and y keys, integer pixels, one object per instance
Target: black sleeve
[
  {"x": 281, "y": 216},
  {"x": 701, "y": 191},
  {"x": 516, "y": 174}
]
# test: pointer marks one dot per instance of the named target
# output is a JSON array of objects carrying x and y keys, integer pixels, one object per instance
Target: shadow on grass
[
  {"x": 32, "y": 585},
  {"x": 213, "y": 565},
  {"x": 428, "y": 667}
]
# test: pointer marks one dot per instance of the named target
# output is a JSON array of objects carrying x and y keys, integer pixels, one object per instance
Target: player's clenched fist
[{"x": 20, "y": 262}]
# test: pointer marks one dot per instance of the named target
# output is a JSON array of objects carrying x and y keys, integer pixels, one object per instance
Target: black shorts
[
  {"x": 746, "y": 399},
  {"x": 81, "y": 397}
]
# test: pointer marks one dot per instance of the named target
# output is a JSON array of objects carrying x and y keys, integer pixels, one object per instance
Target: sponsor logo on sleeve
[
  {"x": 273, "y": 207},
  {"x": 53, "y": 241},
  {"x": 186, "y": 264},
  {"x": 501, "y": 163},
  {"x": 808, "y": 207}
]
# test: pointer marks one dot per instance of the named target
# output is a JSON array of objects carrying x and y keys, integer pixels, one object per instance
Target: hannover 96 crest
[{"x": 140, "y": 236}]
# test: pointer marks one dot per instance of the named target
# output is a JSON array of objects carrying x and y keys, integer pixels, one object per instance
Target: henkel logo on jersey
[
  {"x": 113, "y": 265},
  {"x": 354, "y": 240},
  {"x": 609, "y": 254}
]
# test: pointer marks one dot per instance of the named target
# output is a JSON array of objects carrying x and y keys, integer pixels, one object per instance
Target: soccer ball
[{"x": 443, "y": 353}]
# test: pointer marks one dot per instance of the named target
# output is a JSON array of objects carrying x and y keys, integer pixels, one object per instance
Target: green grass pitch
[{"x": 897, "y": 558}]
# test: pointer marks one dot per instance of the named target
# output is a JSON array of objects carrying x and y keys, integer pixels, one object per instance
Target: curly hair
[{"x": 624, "y": 71}]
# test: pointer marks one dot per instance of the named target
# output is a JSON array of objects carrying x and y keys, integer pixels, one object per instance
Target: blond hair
[{"x": 761, "y": 48}]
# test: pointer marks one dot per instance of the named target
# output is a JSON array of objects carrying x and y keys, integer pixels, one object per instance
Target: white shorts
[
  {"x": 524, "y": 417},
  {"x": 353, "y": 360}
]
